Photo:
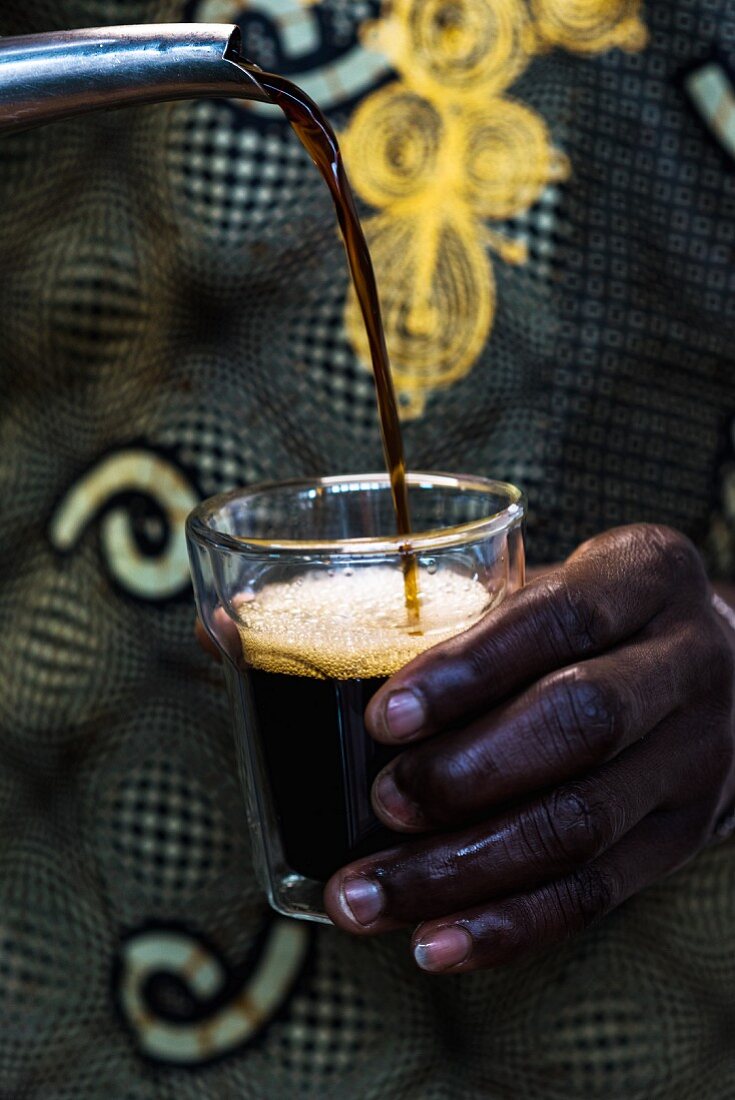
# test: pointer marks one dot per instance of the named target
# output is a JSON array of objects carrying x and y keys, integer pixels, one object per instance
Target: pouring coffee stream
[
  {"x": 52, "y": 76},
  {"x": 319, "y": 140}
]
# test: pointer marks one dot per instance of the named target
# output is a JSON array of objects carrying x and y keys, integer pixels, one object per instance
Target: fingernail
[
  {"x": 404, "y": 714},
  {"x": 363, "y": 898},
  {"x": 396, "y": 805},
  {"x": 444, "y": 948}
]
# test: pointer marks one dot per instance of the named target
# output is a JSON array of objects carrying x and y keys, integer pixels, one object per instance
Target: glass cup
[{"x": 308, "y": 595}]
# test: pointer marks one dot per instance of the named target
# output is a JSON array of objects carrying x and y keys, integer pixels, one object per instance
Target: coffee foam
[{"x": 351, "y": 624}]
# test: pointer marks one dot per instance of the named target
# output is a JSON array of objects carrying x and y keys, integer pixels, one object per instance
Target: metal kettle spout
[{"x": 45, "y": 77}]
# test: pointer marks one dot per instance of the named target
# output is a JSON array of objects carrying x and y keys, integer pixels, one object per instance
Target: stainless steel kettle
[{"x": 51, "y": 76}]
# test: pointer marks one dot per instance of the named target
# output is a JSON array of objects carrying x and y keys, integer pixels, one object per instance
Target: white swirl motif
[
  {"x": 711, "y": 91},
  {"x": 180, "y": 954},
  {"x": 330, "y": 83},
  {"x": 152, "y": 576}
]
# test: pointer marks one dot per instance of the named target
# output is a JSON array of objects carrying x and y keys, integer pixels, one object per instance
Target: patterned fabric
[{"x": 173, "y": 300}]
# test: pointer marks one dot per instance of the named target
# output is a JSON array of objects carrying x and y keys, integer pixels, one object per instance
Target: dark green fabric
[{"x": 171, "y": 325}]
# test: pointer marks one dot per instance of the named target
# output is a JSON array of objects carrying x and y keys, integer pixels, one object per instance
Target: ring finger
[{"x": 516, "y": 850}]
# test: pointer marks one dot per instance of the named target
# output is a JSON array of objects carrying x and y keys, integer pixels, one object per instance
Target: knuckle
[
  {"x": 557, "y": 910},
  {"x": 439, "y": 780},
  {"x": 578, "y": 623},
  {"x": 586, "y": 895},
  {"x": 581, "y": 827},
  {"x": 415, "y": 772},
  {"x": 468, "y": 774},
  {"x": 671, "y": 553},
  {"x": 513, "y": 931},
  {"x": 525, "y": 923},
  {"x": 586, "y": 712},
  {"x": 479, "y": 648},
  {"x": 480, "y": 656}
]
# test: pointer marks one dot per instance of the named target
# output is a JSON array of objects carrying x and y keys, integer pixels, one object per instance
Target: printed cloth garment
[{"x": 549, "y": 193}]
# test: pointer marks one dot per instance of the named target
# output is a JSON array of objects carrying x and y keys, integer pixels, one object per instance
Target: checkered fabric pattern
[
  {"x": 172, "y": 293},
  {"x": 538, "y": 229}
]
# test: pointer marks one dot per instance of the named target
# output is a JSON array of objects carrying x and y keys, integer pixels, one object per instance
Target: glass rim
[{"x": 202, "y": 532}]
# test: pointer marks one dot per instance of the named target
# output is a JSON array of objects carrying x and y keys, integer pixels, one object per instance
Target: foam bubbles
[{"x": 353, "y": 623}]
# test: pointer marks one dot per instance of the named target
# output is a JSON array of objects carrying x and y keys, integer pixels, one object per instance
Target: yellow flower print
[
  {"x": 590, "y": 26},
  {"x": 507, "y": 158},
  {"x": 439, "y": 312},
  {"x": 448, "y": 48},
  {"x": 434, "y": 172},
  {"x": 394, "y": 139},
  {"x": 442, "y": 150}
]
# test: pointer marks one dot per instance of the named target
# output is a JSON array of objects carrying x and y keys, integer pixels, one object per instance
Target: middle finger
[{"x": 568, "y": 723}]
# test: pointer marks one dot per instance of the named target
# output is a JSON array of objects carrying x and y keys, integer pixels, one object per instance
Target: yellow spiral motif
[
  {"x": 590, "y": 26},
  {"x": 395, "y": 136},
  {"x": 439, "y": 312},
  {"x": 507, "y": 158},
  {"x": 457, "y": 47},
  {"x": 444, "y": 148}
]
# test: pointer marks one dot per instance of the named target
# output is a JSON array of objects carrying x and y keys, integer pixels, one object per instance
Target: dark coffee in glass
[{"x": 302, "y": 586}]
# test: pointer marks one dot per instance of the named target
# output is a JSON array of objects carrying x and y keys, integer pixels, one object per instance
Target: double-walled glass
[{"x": 313, "y": 602}]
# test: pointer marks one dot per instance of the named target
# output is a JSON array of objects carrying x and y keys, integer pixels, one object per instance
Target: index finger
[{"x": 595, "y": 600}]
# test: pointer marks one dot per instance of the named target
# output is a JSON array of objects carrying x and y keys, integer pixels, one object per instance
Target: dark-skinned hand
[{"x": 570, "y": 749}]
